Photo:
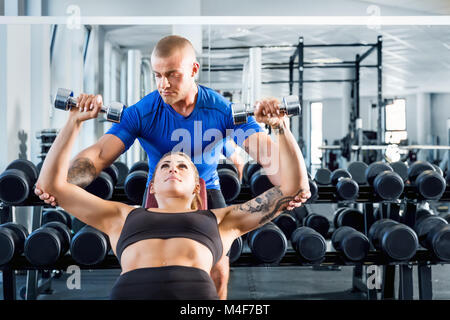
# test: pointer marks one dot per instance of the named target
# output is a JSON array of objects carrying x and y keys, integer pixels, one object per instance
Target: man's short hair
[{"x": 167, "y": 46}]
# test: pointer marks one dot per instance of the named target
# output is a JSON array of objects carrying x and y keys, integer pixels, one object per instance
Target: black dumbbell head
[
  {"x": 139, "y": 166},
  {"x": 431, "y": 185},
  {"x": 54, "y": 215},
  {"x": 323, "y": 176},
  {"x": 438, "y": 170},
  {"x": 15, "y": 186},
  {"x": 376, "y": 228},
  {"x": 230, "y": 185},
  {"x": 64, "y": 231},
  {"x": 440, "y": 240},
  {"x": 89, "y": 246},
  {"x": 314, "y": 190},
  {"x": 417, "y": 168},
  {"x": 102, "y": 186},
  {"x": 353, "y": 244},
  {"x": 350, "y": 217},
  {"x": 227, "y": 164},
  {"x": 251, "y": 169},
  {"x": 43, "y": 247},
  {"x": 25, "y": 166},
  {"x": 286, "y": 223},
  {"x": 347, "y": 189},
  {"x": 113, "y": 172},
  {"x": 374, "y": 169},
  {"x": 424, "y": 227},
  {"x": 259, "y": 183},
  {"x": 400, "y": 242},
  {"x": 318, "y": 223},
  {"x": 268, "y": 243},
  {"x": 135, "y": 185},
  {"x": 309, "y": 244},
  {"x": 338, "y": 174},
  {"x": 123, "y": 172},
  {"x": 357, "y": 170},
  {"x": 401, "y": 169},
  {"x": 236, "y": 249},
  {"x": 300, "y": 213},
  {"x": 12, "y": 239},
  {"x": 388, "y": 185}
]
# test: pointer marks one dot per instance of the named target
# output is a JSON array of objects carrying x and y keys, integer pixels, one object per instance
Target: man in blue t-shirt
[{"x": 179, "y": 116}]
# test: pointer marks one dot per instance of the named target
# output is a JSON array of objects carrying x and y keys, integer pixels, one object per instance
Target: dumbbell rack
[{"x": 423, "y": 258}]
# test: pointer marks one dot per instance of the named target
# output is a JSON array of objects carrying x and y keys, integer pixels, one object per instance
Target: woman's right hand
[{"x": 88, "y": 107}]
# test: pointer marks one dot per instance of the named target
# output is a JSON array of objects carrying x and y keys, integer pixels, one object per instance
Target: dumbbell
[
  {"x": 286, "y": 223},
  {"x": 434, "y": 234},
  {"x": 349, "y": 217},
  {"x": 387, "y": 184},
  {"x": 249, "y": 168},
  {"x": 12, "y": 240},
  {"x": 59, "y": 215},
  {"x": 309, "y": 244},
  {"x": 401, "y": 168},
  {"x": 259, "y": 182},
  {"x": 314, "y": 190},
  {"x": 89, "y": 246},
  {"x": 77, "y": 225},
  {"x": 357, "y": 170},
  {"x": 17, "y": 182},
  {"x": 317, "y": 222},
  {"x": 123, "y": 172},
  {"x": 230, "y": 184},
  {"x": 354, "y": 245},
  {"x": 445, "y": 216},
  {"x": 65, "y": 101},
  {"x": 236, "y": 249},
  {"x": 136, "y": 182},
  {"x": 323, "y": 176},
  {"x": 268, "y": 243},
  {"x": 103, "y": 185},
  {"x": 397, "y": 241},
  {"x": 45, "y": 245},
  {"x": 241, "y": 111},
  {"x": 429, "y": 183},
  {"x": 346, "y": 187}
]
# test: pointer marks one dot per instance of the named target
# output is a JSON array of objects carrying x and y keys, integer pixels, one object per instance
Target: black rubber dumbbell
[
  {"x": 401, "y": 168},
  {"x": 287, "y": 223},
  {"x": 323, "y": 176},
  {"x": 47, "y": 244},
  {"x": 17, "y": 182},
  {"x": 12, "y": 241},
  {"x": 236, "y": 249},
  {"x": 357, "y": 170},
  {"x": 259, "y": 182},
  {"x": 136, "y": 182},
  {"x": 434, "y": 234},
  {"x": 300, "y": 213},
  {"x": 268, "y": 243},
  {"x": 314, "y": 191},
  {"x": 123, "y": 172},
  {"x": 89, "y": 246},
  {"x": 230, "y": 185},
  {"x": 317, "y": 222},
  {"x": 445, "y": 216},
  {"x": 397, "y": 241},
  {"x": 309, "y": 244},
  {"x": 346, "y": 187},
  {"x": 77, "y": 225},
  {"x": 387, "y": 184},
  {"x": 103, "y": 185},
  {"x": 249, "y": 168},
  {"x": 429, "y": 184},
  {"x": 354, "y": 245},
  {"x": 349, "y": 217},
  {"x": 57, "y": 215}
]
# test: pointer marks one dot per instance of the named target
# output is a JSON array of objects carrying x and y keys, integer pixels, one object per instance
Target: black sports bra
[{"x": 200, "y": 225}]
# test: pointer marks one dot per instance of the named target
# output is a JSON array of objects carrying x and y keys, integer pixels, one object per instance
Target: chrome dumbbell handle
[
  {"x": 290, "y": 105},
  {"x": 65, "y": 101}
]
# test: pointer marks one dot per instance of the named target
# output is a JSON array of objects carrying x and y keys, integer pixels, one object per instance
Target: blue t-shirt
[{"x": 201, "y": 135}]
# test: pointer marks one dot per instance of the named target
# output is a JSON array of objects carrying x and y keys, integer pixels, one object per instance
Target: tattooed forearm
[
  {"x": 280, "y": 204},
  {"x": 82, "y": 172},
  {"x": 261, "y": 203}
]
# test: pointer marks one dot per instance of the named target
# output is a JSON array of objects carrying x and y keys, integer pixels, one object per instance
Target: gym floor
[{"x": 252, "y": 283}]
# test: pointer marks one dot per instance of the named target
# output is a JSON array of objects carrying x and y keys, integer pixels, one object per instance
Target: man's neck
[{"x": 187, "y": 105}]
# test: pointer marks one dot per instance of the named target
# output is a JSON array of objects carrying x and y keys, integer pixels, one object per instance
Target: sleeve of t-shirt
[
  {"x": 129, "y": 127},
  {"x": 239, "y": 133}
]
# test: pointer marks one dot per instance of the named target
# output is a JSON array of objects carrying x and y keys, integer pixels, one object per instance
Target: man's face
[{"x": 174, "y": 76}]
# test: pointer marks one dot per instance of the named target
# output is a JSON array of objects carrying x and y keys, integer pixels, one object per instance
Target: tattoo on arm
[
  {"x": 82, "y": 172},
  {"x": 267, "y": 204}
]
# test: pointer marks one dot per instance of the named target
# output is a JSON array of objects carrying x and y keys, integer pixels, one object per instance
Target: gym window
[
  {"x": 396, "y": 121},
  {"x": 316, "y": 134}
]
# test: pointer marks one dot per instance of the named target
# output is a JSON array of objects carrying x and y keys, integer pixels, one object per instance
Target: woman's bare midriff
[{"x": 166, "y": 252}]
